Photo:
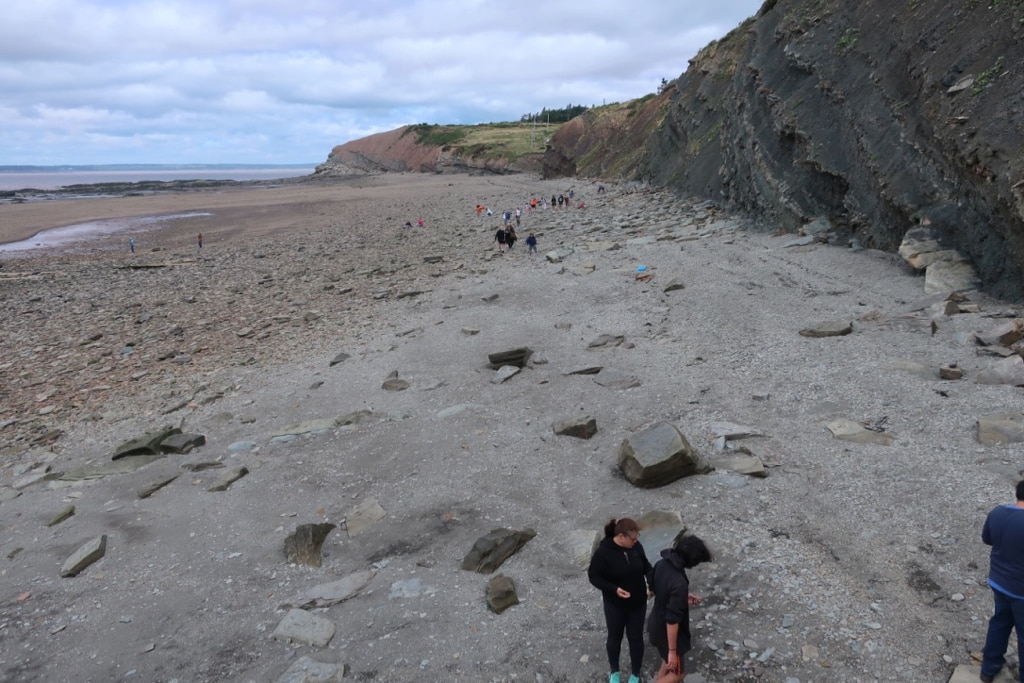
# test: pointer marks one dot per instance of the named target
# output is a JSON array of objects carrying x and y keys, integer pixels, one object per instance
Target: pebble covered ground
[{"x": 848, "y": 562}]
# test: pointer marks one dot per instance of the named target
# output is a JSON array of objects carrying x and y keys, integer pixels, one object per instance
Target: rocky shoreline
[{"x": 850, "y": 560}]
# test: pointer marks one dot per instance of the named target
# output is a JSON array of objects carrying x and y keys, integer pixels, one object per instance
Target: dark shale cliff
[{"x": 878, "y": 116}]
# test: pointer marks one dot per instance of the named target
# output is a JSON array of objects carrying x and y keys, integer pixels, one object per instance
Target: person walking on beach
[
  {"x": 619, "y": 568},
  {"x": 668, "y": 627},
  {"x": 200, "y": 239},
  {"x": 531, "y": 243},
  {"x": 510, "y": 236},
  {"x": 1004, "y": 531},
  {"x": 500, "y": 237},
  {"x": 131, "y": 244}
]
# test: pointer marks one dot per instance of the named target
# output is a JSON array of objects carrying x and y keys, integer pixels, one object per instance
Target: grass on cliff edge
[{"x": 486, "y": 140}]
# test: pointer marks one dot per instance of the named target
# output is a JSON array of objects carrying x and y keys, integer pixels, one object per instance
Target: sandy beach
[{"x": 341, "y": 361}]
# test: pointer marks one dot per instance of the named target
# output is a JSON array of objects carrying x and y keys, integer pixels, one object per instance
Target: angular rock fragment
[
  {"x": 833, "y": 328},
  {"x": 740, "y": 463},
  {"x": 1004, "y": 334},
  {"x": 229, "y": 478},
  {"x": 305, "y": 544},
  {"x": 393, "y": 383},
  {"x": 1006, "y": 371},
  {"x": 340, "y": 358},
  {"x": 147, "y": 444},
  {"x": 579, "y": 427},
  {"x": 606, "y": 341},
  {"x": 363, "y": 515},
  {"x": 64, "y": 514},
  {"x": 517, "y": 357},
  {"x": 182, "y": 443},
  {"x": 673, "y": 285},
  {"x": 1001, "y": 428},
  {"x": 951, "y": 371},
  {"x": 304, "y": 628},
  {"x": 658, "y": 456},
  {"x": 855, "y": 432},
  {"x": 155, "y": 485},
  {"x": 333, "y": 592},
  {"x": 504, "y": 372},
  {"x": 501, "y": 594},
  {"x": 84, "y": 556},
  {"x": 584, "y": 370},
  {"x": 305, "y": 669},
  {"x": 493, "y": 548}
]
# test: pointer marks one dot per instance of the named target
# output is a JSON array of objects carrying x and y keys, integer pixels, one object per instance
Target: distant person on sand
[
  {"x": 519, "y": 215},
  {"x": 500, "y": 237},
  {"x": 408, "y": 224},
  {"x": 620, "y": 570},
  {"x": 200, "y": 238},
  {"x": 510, "y": 236},
  {"x": 419, "y": 222},
  {"x": 531, "y": 242},
  {"x": 1004, "y": 531},
  {"x": 131, "y": 244}
]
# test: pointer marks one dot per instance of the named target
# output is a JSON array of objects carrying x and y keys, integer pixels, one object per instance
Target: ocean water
[{"x": 52, "y": 180}]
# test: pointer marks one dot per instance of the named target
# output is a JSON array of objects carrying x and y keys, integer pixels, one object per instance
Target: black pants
[{"x": 628, "y": 618}]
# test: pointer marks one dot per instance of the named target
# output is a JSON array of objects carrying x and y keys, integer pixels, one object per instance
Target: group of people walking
[{"x": 620, "y": 569}]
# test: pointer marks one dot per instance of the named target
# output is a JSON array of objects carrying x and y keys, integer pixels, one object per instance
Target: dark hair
[
  {"x": 620, "y": 526},
  {"x": 692, "y": 551},
  {"x": 1020, "y": 490}
]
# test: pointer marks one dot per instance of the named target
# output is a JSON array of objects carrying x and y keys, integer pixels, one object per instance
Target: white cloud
[{"x": 177, "y": 81}]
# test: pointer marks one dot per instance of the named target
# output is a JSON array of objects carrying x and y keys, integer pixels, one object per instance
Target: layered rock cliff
[{"x": 876, "y": 116}]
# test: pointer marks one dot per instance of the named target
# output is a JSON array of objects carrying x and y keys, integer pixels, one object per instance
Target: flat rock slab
[
  {"x": 1006, "y": 371},
  {"x": 943, "y": 276},
  {"x": 182, "y": 443},
  {"x": 340, "y": 358},
  {"x": 1002, "y": 428},
  {"x": 84, "y": 556},
  {"x": 229, "y": 478},
  {"x": 584, "y": 370},
  {"x": 832, "y": 328},
  {"x": 579, "y": 427},
  {"x": 61, "y": 516},
  {"x": 504, "y": 372},
  {"x": 606, "y": 341},
  {"x": 659, "y": 529},
  {"x": 1004, "y": 334},
  {"x": 581, "y": 544},
  {"x": 307, "y": 670},
  {"x": 517, "y": 357},
  {"x": 855, "y": 432},
  {"x": 749, "y": 465},
  {"x": 363, "y": 515},
  {"x": 304, "y": 545},
  {"x": 493, "y": 548},
  {"x": 147, "y": 444},
  {"x": 333, "y": 592},
  {"x": 303, "y": 628},
  {"x": 155, "y": 485}
]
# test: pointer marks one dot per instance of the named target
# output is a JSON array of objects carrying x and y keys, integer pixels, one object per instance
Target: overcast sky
[{"x": 283, "y": 81}]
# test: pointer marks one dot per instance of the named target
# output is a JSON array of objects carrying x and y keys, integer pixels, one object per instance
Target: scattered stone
[
  {"x": 581, "y": 544},
  {"x": 393, "y": 383},
  {"x": 84, "y": 556},
  {"x": 229, "y": 478},
  {"x": 363, "y": 515},
  {"x": 834, "y": 328},
  {"x": 1005, "y": 334},
  {"x": 659, "y": 529},
  {"x": 182, "y": 443},
  {"x": 409, "y": 588},
  {"x": 155, "y": 485},
  {"x": 492, "y": 549},
  {"x": 803, "y": 241},
  {"x": 489, "y": 299},
  {"x": 304, "y": 545},
  {"x": 501, "y": 594},
  {"x": 1006, "y": 371},
  {"x": 658, "y": 456},
  {"x": 340, "y": 358},
  {"x": 305, "y": 669},
  {"x": 504, "y": 372},
  {"x": 673, "y": 285},
  {"x": 61, "y": 516},
  {"x": 856, "y": 432},
  {"x": 956, "y": 275},
  {"x": 147, "y": 444},
  {"x": 470, "y": 331},
  {"x": 303, "y": 628},
  {"x": 606, "y": 341},
  {"x": 202, "y": 465},
  {"x": 1002, "y": 428},
  {"x": 580, "y": 427},
  {"x": 951, "y": 371},
  {"x": 333, "y": 592},
  {"x": 584, "y": 370},
  {"x": 747, "y": 464},
  {"x": 433, "y": 258},
  {"x": 517, "y": 357}
]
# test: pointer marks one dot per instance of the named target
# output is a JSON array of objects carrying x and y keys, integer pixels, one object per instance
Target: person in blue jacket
[
  {"x": 620, "y": 569},
  {"x": 668, "y": 627},
  {"x": 1004, "y": 531}
]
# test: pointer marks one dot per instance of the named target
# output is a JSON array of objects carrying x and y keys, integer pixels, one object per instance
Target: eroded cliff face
[{"x": 877, "y": 116}]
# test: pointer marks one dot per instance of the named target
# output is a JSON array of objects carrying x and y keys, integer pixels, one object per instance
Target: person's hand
[
  {"x": 674, "y": 665},
  {"x": 692, "y": 599},
  {"x": 622, "y": 593}
]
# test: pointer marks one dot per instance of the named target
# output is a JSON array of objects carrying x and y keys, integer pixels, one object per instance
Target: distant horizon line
[{"x": 50, "y": 168}]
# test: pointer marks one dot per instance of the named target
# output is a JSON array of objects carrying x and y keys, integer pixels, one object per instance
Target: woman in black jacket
[
  {"x": 620, "y": 569},
  {"x": 668, "y": 627}
]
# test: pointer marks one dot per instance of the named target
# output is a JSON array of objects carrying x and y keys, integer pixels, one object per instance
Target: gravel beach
[{"x": 278, "y": 340}]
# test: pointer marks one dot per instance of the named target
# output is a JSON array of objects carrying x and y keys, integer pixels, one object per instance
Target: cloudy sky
[{"x": 283, "y": 81}]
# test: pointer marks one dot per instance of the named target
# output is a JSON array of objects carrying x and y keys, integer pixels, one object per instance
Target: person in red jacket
[{"x": 620, "y": 569}]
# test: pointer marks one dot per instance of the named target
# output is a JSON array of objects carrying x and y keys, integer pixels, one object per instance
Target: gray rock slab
[
  {"x": 1001, "y": 428},
  {"x": 307, "y": 670},
  {"x": 606, "y": 341},
  {"x": 1005, "y": 371},
  {"x": 152, "y": 487},
  {"x": 749, "y": 465},
  {"x": 332, "y": 592},
  {"x": 303, "y": 628},
  {"x": 492, "y": 549},
  {"x": 8, "y": 494},
  {"x": 518, "y": 357},
  {"x": 307, "y": 427},
  {"x": 731, "y": 430},
  {"x": 340, "y": 358},
  {"x": 584, "y": 370},
  {"x": 580, "y": 427},
  {"x": 504, "y": 372},
  {"x": 147, "y": 444},
  {"x": 658, "y": 456},
  {"x": 673, "y": 285},
  {"x": 659, "y": 530},
  {"x": 230, "y": 477},
  {"x": 61, "y": 516},
  {"x": 501, "y": 594},
  {"x": 409, "y": 588},
  {"x": 581, "y": 544},
  {"x": 855, "y": 432},
  {"x": 831, "y": 328},
  {"x": 363, "y": 516},
  {"x": 1004, "y": 334},
  {"x": 182, "y": 443},
  {"x": 84, "y": 556},
  {"x": 943, "y": 276}
]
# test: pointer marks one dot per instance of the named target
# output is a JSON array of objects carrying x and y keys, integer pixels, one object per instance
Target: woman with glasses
[{"x": 620, "y": 569}]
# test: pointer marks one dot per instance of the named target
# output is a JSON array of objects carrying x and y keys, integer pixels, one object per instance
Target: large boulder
[{"x": 658, "y": 456}]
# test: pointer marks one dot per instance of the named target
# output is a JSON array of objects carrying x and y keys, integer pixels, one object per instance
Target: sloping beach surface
[{"x": 847, "y": 562}]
